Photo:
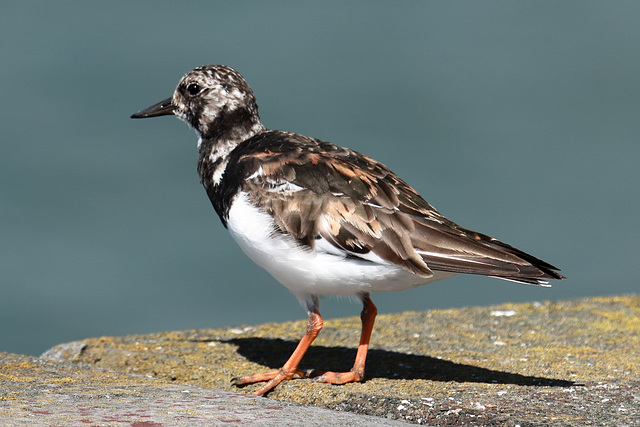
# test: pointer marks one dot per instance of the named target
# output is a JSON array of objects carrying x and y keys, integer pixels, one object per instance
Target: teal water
[{"x": 519, "y": 120}]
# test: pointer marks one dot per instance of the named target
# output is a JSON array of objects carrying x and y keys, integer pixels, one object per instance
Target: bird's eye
[{"x": 194, "y": 89}]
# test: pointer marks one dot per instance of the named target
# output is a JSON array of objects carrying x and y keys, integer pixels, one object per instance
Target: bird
[{"x": 323, "y": 219}]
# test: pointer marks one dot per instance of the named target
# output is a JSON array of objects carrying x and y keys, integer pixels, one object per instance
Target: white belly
[{"x": 312, "y": 272}]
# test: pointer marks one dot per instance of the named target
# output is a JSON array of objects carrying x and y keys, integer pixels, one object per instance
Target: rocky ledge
[{"x": 565, "y": 363}]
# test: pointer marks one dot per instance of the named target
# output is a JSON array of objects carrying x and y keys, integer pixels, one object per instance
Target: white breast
[{"x": 312, "y": 272}]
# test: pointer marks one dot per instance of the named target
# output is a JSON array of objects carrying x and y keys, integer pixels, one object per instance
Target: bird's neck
[{"x": 224, "y": 134}]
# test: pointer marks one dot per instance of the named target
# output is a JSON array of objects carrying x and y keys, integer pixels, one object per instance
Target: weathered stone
[
  {"x": 36, "y": 392},
  {"x": 565, "y": 363}
]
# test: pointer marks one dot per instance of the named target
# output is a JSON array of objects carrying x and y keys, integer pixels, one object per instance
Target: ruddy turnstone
[{"x": 323, "y": 219}]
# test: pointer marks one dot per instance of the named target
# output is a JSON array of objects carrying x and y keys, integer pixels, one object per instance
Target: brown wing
[{"x": 318, "y": 190}]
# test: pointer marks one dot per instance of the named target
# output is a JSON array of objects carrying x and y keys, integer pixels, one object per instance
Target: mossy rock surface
[{"x": 565, "y": 363}]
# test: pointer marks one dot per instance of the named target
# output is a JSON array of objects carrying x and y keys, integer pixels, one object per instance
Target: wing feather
[{"x": 359, "y": 206}]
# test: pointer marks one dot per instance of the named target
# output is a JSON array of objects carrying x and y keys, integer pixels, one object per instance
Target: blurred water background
[{"x": 517, "y": 119}]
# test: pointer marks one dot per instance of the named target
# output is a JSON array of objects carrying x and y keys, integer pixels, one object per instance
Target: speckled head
[{"x": 213, "y": 99}]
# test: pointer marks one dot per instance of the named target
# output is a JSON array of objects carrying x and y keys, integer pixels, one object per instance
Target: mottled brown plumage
[{"x": 359, "y": 205}]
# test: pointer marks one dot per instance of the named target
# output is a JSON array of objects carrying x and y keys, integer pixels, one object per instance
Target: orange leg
[
  {"x": 356, "y": 374},
  {"x": 290, "y": 368}
]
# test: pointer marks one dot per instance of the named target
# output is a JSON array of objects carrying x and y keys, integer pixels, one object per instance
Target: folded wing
[{"x": 362, "y": 209}]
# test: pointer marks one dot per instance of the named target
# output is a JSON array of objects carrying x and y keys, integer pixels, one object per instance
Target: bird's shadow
[{"x": 383, "y": 364}]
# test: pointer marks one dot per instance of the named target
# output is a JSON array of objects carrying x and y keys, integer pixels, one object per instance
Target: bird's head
[{"x": 213, "y": 99}]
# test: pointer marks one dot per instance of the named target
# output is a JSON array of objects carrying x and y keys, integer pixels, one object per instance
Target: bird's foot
[
  {"x": 353, "y": 376},
  {"x": 273, "y": 378}
]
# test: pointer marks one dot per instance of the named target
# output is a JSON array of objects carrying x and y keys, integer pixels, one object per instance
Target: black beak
[{"x": 162, "y": 108}]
